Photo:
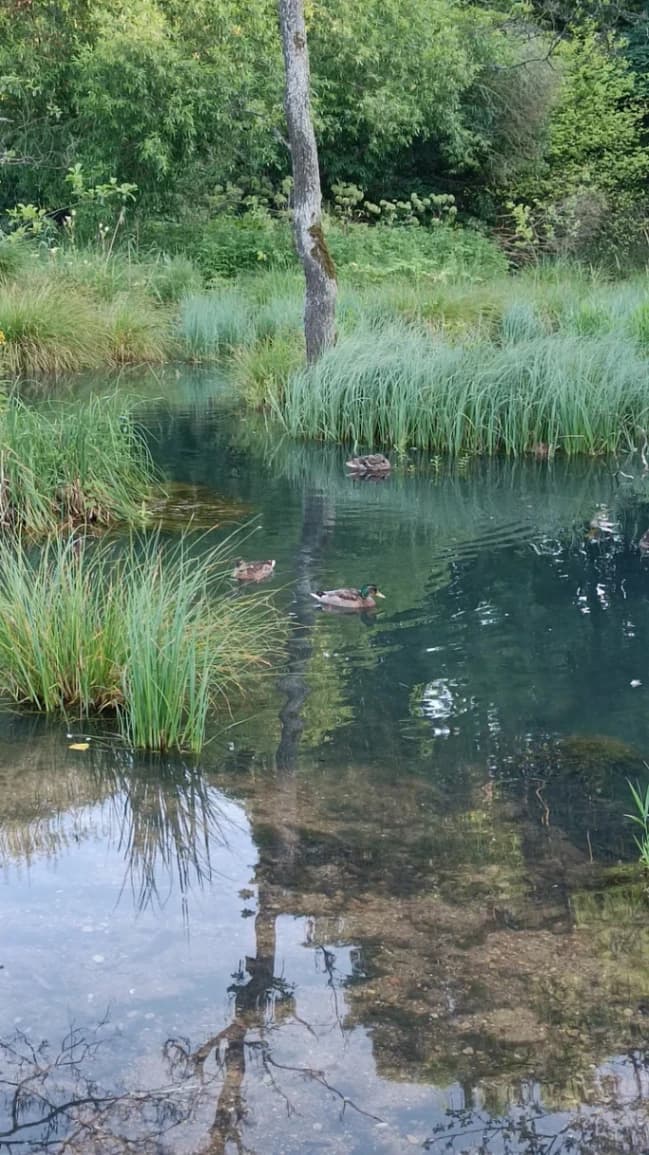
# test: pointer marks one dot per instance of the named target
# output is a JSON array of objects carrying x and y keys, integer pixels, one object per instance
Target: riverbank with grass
[
  {"x": 144, "y": 631},
  {"x": 65, "y": 465},
  {"x": 439, "y": 347}
]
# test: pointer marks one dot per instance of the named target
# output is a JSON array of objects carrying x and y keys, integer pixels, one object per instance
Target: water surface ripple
[{"x": 393, "y": 907}]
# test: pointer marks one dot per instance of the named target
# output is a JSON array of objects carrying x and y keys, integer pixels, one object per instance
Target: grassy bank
[
  {"x": 65, "y": 465},
  {"x": 438, "y": 348},
  {"x": 63, "y": 310},
  {"x": 146, "y": 633},
  {"x": 392, "y": 384}
]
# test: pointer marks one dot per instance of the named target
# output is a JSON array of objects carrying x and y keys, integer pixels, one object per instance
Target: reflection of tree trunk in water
[
  {"x": 251, "y": 1007},
  {"x": 253, "y": 997},
  {"x": 316, "y": 517}
]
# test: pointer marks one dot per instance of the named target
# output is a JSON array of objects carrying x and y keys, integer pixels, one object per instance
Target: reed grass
[
  {"x": 212, "y": 324},
  {"x": 66, "y": 464},
  {"x": 261, "y": 371},
  {"x": 394, "y": 385},
  {"x": 145, "y": 633}
]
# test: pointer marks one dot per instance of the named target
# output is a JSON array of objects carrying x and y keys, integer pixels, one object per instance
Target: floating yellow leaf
[{"x": 79, "y": 746}]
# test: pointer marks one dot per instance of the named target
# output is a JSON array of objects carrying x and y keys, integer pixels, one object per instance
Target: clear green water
[{"x": 393, "y": 906}]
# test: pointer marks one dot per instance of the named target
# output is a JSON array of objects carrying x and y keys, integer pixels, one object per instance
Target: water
[{"x": 393, "y": 906}]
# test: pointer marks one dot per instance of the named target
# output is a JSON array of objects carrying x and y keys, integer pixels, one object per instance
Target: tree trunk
[{"x": 319, "y": 272}]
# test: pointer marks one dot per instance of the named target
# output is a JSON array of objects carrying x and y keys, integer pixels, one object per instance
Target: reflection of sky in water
[{"x": 516, "y": 616}]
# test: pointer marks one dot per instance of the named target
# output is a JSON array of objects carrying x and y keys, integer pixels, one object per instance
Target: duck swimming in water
[
  {"x": 349, "y": 599},
  {"x": 253, "y": 571},
  {"x": 374, "y": 463}
]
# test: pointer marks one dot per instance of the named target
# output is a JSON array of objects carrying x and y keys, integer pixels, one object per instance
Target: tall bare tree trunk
[{"x": 319, "y": 272}]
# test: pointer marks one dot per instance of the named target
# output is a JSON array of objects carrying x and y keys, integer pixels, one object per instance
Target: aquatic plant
[
  {"x": 71, "y": 463},
  {"x": 641, "y": 819},
  {"x": 261, "y": 371},
  {"x": 392, "y": 384},
  {"x": 142, "y": 631}
]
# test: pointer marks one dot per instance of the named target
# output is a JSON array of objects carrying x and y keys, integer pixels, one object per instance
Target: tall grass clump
[
  {"x": 212, "y": 324},
  {"x": 46, "y": 332},
  {"x": 71, "y": 464},
  {"x": 144, "y": 632},
  {"x": 395, "y": 385},
  {"x": 13, "y": 258},
  {"x": 261, "y": 371},
  {"x": 136, "y": 331}
]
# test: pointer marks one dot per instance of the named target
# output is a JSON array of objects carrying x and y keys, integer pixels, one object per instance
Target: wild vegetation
[
  {"x": 66, "y": 465},
  {"x": 144, "y": 631}
]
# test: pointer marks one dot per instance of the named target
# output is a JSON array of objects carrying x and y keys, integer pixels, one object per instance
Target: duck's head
[{"x": 370, "y": 591}]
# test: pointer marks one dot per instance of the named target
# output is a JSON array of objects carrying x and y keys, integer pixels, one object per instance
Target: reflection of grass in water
[
  {"x": 451, "y": 501},
  {"x": 167, "y": 820}
]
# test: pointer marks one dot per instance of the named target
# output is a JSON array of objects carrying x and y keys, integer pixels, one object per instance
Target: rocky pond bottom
[{"x": 394, "y": 905}]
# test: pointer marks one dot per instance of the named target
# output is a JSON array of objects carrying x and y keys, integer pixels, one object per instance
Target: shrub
[{"x": 143, "y": 632}]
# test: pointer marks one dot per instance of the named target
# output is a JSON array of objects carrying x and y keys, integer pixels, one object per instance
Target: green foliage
[
  {"x": 227, "y": 245},
  {"x": 13, "y": 258},
  {"x": 641, "y": 819},
  {"x": 261, "y": 371},
  {"x": 394, "y": 385},
  {"x": 44, "y": 334},
  {"x": 143, "y": 631},
  {"x": 70, "y": 464},
  {"x": 215, "y": 323},
  {"x": 136, "y": 332},
  {"x": 588, "y": 187}
]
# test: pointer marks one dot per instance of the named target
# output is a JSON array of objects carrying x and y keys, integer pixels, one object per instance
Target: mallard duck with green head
[{"x": 363, "y": 598}]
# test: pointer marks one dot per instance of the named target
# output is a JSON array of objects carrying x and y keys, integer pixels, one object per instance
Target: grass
[
  {"x": 70, "y": 464},
  {"x": 44, "y": 333},
  {"x": 212, "y": 324},
  {"x": 641, "y": 819},
  {"x": 144, "y": 633},
  {"x": 136, "y": 332},
  {"x": 397, "y": 385}
]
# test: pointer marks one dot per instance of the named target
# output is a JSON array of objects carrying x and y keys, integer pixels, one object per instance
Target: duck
[
  {"x": 372, "y": 463},
  {"x": 643, "y": 544},
  {"x": 363, "y": 598},
  {"x": 253, "y": 571}
]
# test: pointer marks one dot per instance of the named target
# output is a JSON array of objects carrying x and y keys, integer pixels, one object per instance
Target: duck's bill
[{"x": 380, "y": 595}]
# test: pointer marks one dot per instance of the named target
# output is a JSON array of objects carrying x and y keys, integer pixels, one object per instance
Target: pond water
[{"x": 393, "y": 906}]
